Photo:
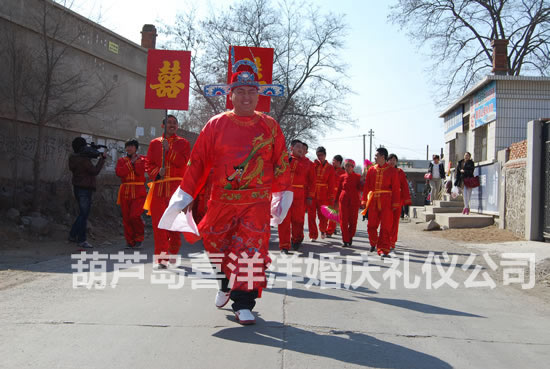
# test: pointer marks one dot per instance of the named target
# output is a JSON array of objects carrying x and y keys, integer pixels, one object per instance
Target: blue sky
[{"x": 387, "y": 72}]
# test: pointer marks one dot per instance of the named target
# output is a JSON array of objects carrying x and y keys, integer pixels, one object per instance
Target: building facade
[
  {"x": 99, "y": 59},
  {"x": 493, "y": 115}
]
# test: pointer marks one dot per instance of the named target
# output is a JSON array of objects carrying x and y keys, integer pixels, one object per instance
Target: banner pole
[{"x": 164, "y": 136}]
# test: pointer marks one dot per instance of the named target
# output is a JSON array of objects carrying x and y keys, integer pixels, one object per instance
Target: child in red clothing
[{"x": 349, "y": 190}]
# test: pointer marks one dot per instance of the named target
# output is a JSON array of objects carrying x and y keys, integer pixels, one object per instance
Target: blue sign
[
  {"x": 484, "y": 106},
  {"x": 485, "y": 197},
  {"x": 453, "y": 123}
]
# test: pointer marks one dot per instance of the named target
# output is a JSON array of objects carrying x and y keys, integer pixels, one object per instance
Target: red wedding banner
[
  {"x": 263, "y": 58},
  {"x": 167, "y": 82}
]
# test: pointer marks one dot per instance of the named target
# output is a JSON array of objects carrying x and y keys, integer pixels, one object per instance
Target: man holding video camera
[{"x": 84, "y": 173}]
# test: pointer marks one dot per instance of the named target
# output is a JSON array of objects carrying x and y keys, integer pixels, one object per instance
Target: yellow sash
[
  {"x": 120, "y": 189},
  {"x": 151, "y": 185},
  {"x": 370, "y": 196}
]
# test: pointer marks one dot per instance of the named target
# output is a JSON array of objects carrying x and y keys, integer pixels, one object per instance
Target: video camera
[{"x": 92, "y": 151}]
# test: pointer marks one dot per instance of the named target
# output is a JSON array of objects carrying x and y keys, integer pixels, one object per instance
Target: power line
[
  {"x": 416, "y": 107},
  {"x": 340, "y": 138}
]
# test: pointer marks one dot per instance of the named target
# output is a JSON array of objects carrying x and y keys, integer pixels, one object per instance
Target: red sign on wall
[
  {"x": 263, "y": 58},
  {"x": 167, "y": 82}
]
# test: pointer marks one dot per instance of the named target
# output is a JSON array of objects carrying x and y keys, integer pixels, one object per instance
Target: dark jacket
[
  {"x": 84, "y": 172},
  {"x": 468, "y": 167},
  {"x": 441, "y": 170}
]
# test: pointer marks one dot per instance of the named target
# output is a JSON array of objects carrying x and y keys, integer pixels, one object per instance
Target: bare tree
[
  {"x": 47, "y": 84},
  {"x": 306, "y": 47},
  {"x": 459, "y": 35},
  {"x": 15, "y": 60}
]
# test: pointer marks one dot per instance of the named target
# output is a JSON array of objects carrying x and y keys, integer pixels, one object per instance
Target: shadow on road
[
  {"x": 344, "y": 346},
  {"x": 420, "y": 307}
]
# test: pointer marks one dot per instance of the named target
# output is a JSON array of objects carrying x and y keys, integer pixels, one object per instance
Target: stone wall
[{"x": 515, "y": 175}]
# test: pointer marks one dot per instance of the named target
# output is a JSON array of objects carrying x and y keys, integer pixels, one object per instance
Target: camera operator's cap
[{"x": 245, "y": 73}]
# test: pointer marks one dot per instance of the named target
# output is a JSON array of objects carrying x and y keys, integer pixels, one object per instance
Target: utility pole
[
  {"x": 371, "y": 134},
  {"x": 427, "y": 152},
  {"x": 364, "y": 149}
]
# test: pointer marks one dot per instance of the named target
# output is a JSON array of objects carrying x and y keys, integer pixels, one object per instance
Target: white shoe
[
  {"x": 160, "y": 266},
  {"x": 222, "y": 298},
  {"x": 245, "y": 317}
]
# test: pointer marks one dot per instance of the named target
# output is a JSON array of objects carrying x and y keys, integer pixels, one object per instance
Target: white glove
[
  {"x": 174, "y": 219},
  {"x": 280, "y": 203}
]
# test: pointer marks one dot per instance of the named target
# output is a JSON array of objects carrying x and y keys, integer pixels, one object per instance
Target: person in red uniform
[
  {"x": 246, "y": 152},
  {"x": 381, "y": 195},
  {"x": 338, "y": 171},
  {"x": 131, "y": 194},
  {"x": 349, "y": 200},
  {"x": 166, "y": 164},
  {"x": 200, "y": 205},
  {"x": 291, "y": 230},
  {"x": 324, "y": 194},
  {"x": 405, "y": 198},
  {"x": 311, "y": 186}
]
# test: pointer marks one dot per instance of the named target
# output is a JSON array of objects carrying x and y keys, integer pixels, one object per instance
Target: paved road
[{"x": 46, "y": 323}]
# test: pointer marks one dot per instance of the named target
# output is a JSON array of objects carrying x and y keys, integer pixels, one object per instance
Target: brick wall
[{"x": 518, "y": 150}]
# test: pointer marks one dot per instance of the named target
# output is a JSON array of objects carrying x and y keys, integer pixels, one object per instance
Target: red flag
[
  {"x": 167, "y": 82},
  {"x": 263, "y": 58}
]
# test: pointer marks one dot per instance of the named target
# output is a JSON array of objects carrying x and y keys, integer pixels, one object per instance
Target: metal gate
[{"x": 546, "y": 179}]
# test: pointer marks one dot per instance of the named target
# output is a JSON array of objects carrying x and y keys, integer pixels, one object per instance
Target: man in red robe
[
  {"x": 338, "y": 171},
  {"x": 166, "y": 164},
  {"x": 405, "y": 198},
  {"x": 349, "y": 191},
  {"x": 381, "y": 195},
  {"x": 246, "y": 152},
  {"x": 324, "y": 194},
  {"x": 131, "y": 194},
  {"x": 291, "y": 230}
]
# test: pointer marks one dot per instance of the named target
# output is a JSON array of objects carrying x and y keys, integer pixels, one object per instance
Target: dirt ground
[
  {"x": 488, "y": 234},
  {"x": 456, "y": 238},
  {"x": 18, "y": 246}
]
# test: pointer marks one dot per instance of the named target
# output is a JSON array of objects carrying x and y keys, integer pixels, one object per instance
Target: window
[
  {"x": 452, "y": 151},
  {"x": 420, "y": 187},
  {"x": 480, "y": 143}
]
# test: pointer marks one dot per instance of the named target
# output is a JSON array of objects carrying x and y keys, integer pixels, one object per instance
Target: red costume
[
  {"x": 349, "y": 191},
  {"x": 405, "y": 200},
  {"x": 331, "y": 228},
  {"x": 200, "y": 205},
  {"x": 303, "y": 179},
  {"x": 249, "y": 161},
  {"x": 381, "y": 194},
  {"x": 324, "y": 195},
  {"x": 161, "y": 189},
  {"x": 131, "y": 197}
]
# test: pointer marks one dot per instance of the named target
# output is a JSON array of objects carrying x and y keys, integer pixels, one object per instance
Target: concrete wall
[
  {"x": 533, "y": 183},
  {"x": 103, "y": 57},
  {"x": 521, "y": 201}
]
